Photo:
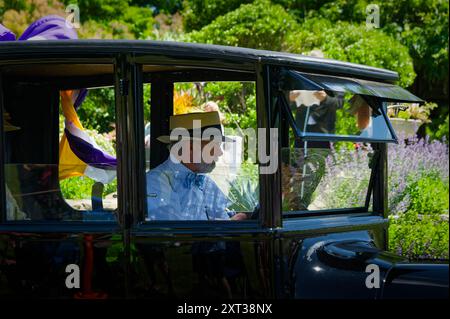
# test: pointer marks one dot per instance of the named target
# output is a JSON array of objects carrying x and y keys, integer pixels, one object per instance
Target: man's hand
[{"x": 239, "y": 216}]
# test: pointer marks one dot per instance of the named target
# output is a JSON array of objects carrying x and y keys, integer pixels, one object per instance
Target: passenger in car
[{"x": 179, "y": 188}]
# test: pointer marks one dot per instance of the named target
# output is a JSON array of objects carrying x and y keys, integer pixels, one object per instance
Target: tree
[
  {"x": 259, "y": 25},
  {"x": 199, "y": 13},
  {"x": 158, "y": 6},
  {"x": 421, "y": 25},
  {"x": 353, "y": 43}
]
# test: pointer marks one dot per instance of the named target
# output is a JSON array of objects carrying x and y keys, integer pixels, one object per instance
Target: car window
[
  {"x": 325, "y": 176},
  {"x": 59, "y": 150},
  {"x": 322, "y": 107},
  {"x": 227, "y": 186}
]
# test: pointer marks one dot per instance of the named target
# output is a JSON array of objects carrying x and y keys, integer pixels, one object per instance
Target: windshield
[
  {"x": 324, "y": 115},
  {"x": 327, "y": 108}
]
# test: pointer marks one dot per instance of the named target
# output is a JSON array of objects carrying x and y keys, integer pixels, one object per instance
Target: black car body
[{"x": 312, "y": 255}]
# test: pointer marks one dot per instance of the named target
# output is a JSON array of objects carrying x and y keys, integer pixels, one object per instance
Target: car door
[
  {"x": 61, "y": 232},
  {"x": 187, "y": 258}
]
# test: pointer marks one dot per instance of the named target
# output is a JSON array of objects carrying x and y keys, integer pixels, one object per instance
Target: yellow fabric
[
  {"x": 69, "y": 164},
  {"x": 68, "y": 108}
]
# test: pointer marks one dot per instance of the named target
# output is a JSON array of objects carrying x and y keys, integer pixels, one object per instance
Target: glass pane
[
  {"x": 60, "y": 153},
  {"x": 320, "y": 114},
  {"x": 87, "y": 172},
  {"x": 225, "y": 188},
  {"x": 321, "y": 176},
  {"x": 385, "y": 91}
]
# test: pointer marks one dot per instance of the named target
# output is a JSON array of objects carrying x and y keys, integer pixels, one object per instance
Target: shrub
[
  {"x": 438, "y": 129},
  {"x": 428, "y": 195},
  {"x": 418, "y": 236},
  {"x": 260, "y": 25},
  {"x": 81, "y": 187},
  {"x": 97, "y": 112},
  {"x": 408, "y": 162},
  {"x": 345, "y": 176},
  {"x": 418, "y": 190},
  {"x": 140, "y": 21},
  {"x": 199, "y": 13},
  {"x": 244, "y": 191},
  {"x": 420, "y": 25},
  {"x": 237, "y": 100},
  {"x": 418, "y": 198},
  {"x": 353, "y": 43}
]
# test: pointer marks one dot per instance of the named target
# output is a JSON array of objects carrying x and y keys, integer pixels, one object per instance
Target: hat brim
[{"x": 166, "y": 139}]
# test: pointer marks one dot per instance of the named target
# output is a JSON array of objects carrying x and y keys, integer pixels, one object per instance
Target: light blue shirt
[{"x": 174, "y": 192}]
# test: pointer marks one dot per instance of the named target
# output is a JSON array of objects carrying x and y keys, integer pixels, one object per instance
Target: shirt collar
[{"x": 177, "y": 166}]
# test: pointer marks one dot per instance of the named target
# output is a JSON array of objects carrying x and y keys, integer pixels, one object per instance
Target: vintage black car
[{"x": 299, "y": 240}]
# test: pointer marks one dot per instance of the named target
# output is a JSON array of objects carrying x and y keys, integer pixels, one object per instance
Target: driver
[{"x": 179, "y": 188}]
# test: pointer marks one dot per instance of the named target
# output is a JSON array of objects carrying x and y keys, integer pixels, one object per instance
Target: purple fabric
[
  {"x": 80, "y": 98},
  {"x": 53, "y": 27},
  {"x": 6, "y": 34},
  {"x": 89, "y": 154},
  {"x": 50, "y": 27}
]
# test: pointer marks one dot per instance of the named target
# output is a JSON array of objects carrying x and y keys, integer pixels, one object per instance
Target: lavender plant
[
  {"x": 408, "y": 162},
  {"x": 346, "y": 178},
  {"x": 418, "y": 189}
]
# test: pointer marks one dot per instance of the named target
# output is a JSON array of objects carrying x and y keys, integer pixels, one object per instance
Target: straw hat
[{"x": 203, "y": 121}]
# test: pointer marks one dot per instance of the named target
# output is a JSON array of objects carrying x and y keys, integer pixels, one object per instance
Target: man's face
[{"x": 210, "y": 153}]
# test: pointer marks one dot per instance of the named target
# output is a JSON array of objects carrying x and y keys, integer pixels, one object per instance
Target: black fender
[{"x": 340, "y": 266}]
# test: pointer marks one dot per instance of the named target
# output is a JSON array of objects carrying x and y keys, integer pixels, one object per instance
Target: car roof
[{"x": 14, "y": 50}]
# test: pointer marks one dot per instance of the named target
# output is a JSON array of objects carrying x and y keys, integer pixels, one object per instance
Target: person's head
[
  {"x": 187, "y": 152},
  {"x": 211, "y": 106},
  {"x": 195, "y": 140}
]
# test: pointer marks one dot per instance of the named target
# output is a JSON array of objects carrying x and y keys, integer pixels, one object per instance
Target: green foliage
[
  {"x": 167, "y": 6},
  {"x": 140, "y": 20},
  {"x": 114, "y": 19},
  {"x": 422, "y": 231},
  {"x": 244, "y": 191},
  {"x": 237, "y": 100},
  {"x": 101, "y": 10},
  {"x": 414, "y": 111},
  {"x": 12, "y": 5},
  {"x": 81, "y": 187},
  {"x": 260, "y": 25},
  {"x": 199, "y": 13},
  {"x": 98, "y": 110},
  {"x": 421, "y": 25},
  {"x": 353, "y": 43},
  {"x": 438, "y": 130},
  {"x": 429, "y": 195},
  {"x": 419, "y": 236},
  {"x": 346, "y": 123}
]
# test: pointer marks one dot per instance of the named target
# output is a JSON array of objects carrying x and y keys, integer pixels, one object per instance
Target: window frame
[
  {"x": 61, "y": 83},
  {"x": 192, "y": 73},
  {"x": 377, "y": 189}
]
